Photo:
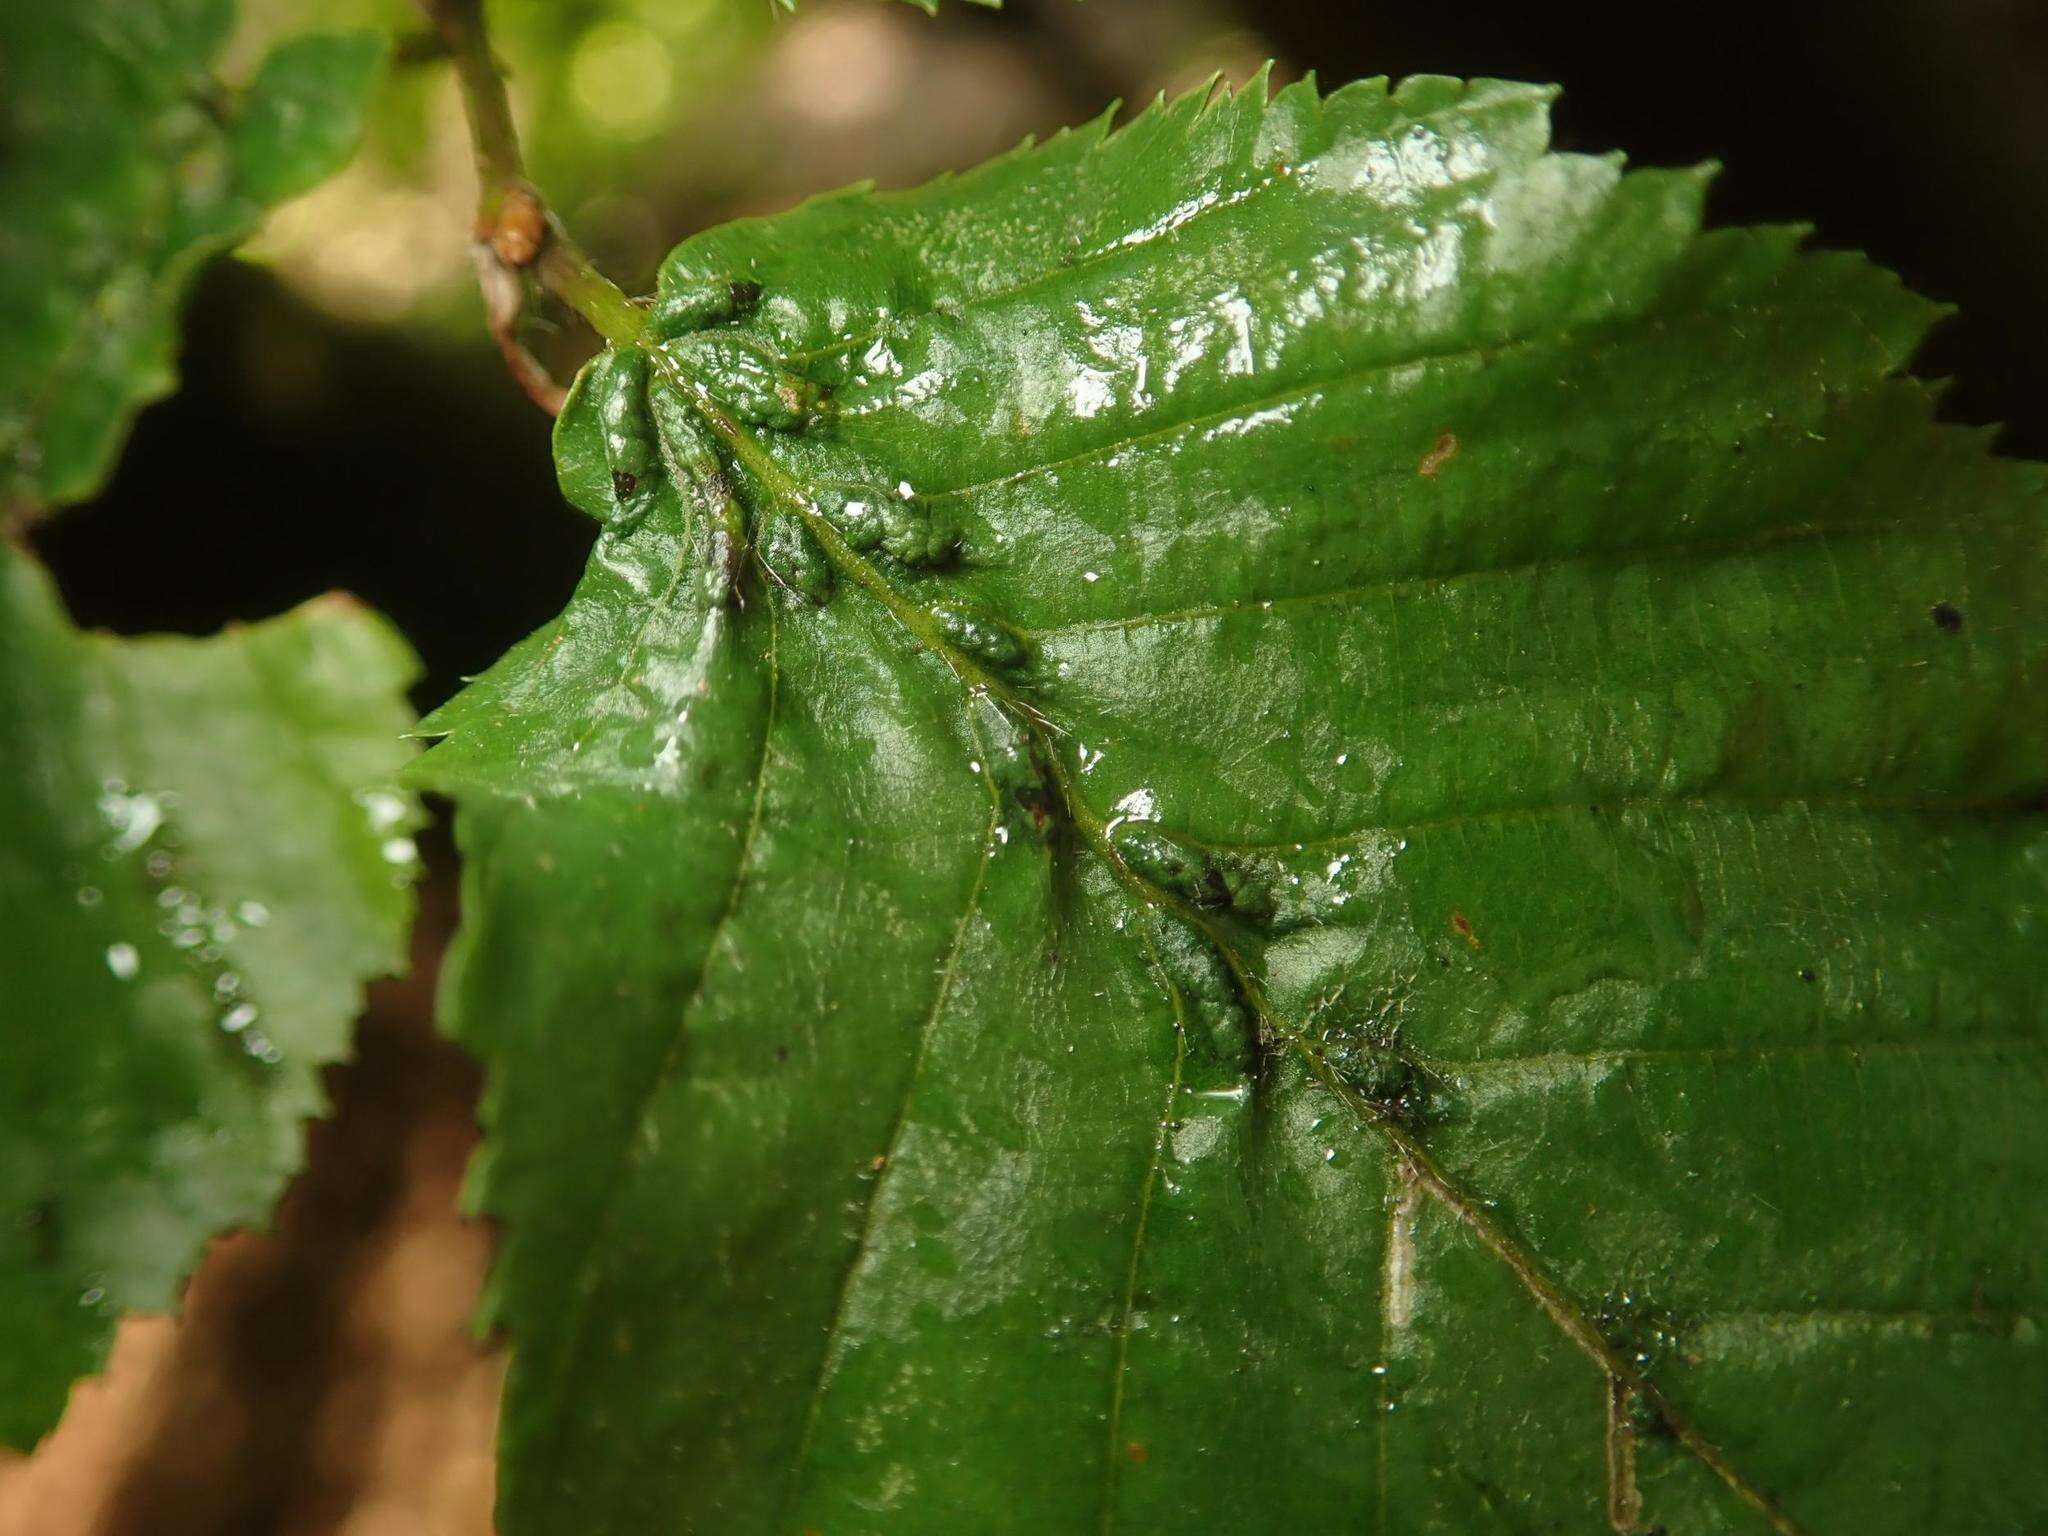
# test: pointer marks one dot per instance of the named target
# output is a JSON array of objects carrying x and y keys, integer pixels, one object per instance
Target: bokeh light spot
[{"x": 621, "y": 77}]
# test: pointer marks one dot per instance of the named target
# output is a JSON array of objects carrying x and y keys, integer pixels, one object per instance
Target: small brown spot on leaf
[
  {"x": 1441, "y": 453},
  {"x": 1948, "y": 618},
  {"x": 880, "y": 1162},
  {"x": 1136, "y": 1452},
  {"x": 1462, "y": 926}
]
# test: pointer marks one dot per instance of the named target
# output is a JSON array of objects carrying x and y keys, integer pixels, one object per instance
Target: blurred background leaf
[{"x": 127, "y": 158}]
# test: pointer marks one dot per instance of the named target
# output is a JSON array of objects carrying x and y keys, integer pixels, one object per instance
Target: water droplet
[
  {"x": 252, "y": 914},
  {"x": 238, "y": 1018},
  {"x": 123, "y": 961},
  {"x": 88, "y": 896},
  {"x": 400, "y": 850}
]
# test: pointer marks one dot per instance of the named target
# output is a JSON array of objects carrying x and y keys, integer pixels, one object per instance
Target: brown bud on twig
[{"x": 521, "y": 229}]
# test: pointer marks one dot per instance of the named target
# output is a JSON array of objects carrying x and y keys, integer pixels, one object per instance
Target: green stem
[
  {"x": 570, "y": 276},
  {"x": 514, "y": 233},
  {"x": 499, "y": 163}
]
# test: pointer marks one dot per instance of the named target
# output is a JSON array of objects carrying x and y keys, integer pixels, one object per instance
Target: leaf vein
[
  {"x": 631, "y": 1147},
  {"x": 1758, "y": 541},
  {"x": 835, "y": 1322},
  {"x": 1119, "y": 1369},
  {"x": 1124, "y": 245}
]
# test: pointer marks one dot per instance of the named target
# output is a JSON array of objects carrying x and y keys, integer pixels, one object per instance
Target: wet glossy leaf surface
[
  {"x": 204, "y": 854},
  {"x": 124, "y": 163},
  {"x": 1351, "y": 851}
]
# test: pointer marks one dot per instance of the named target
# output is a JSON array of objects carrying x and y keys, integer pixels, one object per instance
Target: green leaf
[
  {"x": 124, "y": 164},
  {"x": 1359, "y": 852},
  {"x": 203, "y": 855}
]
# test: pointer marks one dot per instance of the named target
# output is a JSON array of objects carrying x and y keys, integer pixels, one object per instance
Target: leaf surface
[
  {"x": 203, "y": 855},
  {"x": 1353, "y": 854},
  {"x": 124, "y": 164}
]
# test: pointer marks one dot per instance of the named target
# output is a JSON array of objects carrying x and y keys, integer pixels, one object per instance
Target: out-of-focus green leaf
[
  {"x": 929, "y": 7},
  {"x": 124, "y": 163},
  {"x": 1358, "y": 853},
  {"x": 299, "y": 118},
  {"x": 203, "y": 855}
]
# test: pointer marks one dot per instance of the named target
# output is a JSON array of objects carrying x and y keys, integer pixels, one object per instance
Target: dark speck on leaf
[
  {"x": 44, "y": 1228},
  {"x": 624, "y": 484},
  {"x": 744, "y": 293},
  {"x": 1806, "y": 973},
  {"x": 1948, "y": 618}
]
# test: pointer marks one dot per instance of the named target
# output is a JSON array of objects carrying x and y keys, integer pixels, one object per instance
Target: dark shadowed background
[{"x": 343, "y": 423}]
